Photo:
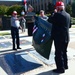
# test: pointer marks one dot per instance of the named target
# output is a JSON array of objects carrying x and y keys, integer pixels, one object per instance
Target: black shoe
[
  {"x": 14, "y": 49},
  {"x": 58, "y": 71},
  {"x": 66, "y": 67},
  {"x": 18, "y": 48}
]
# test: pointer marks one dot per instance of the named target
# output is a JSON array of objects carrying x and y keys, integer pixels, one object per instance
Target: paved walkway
[{"x": 47, "y": 65}]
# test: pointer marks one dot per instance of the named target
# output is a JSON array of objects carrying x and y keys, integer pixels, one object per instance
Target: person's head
[
  {"x": 30, "y": 8},
  {"x": 60, "y": 6},
  {"x": 41, "y": 12},
  {"x": 14, "y": 13}
]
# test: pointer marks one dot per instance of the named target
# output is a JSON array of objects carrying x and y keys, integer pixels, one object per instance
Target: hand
[{"x": 20, "y": 27}]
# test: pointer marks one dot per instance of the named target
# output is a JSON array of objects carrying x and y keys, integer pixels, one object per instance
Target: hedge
[{"x": 7, "y": 10}]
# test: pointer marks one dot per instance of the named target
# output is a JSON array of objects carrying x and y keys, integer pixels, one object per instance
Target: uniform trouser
[
  {"x": 30, "y": 28},
  {"x": 61, "y": 53},
  {"x": 15, "y": 36}
]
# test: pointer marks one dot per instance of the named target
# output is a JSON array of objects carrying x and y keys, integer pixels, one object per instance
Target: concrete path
[{"x": 47, "y": 65}]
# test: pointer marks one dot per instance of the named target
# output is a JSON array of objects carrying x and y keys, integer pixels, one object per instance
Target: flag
[{"x": 25, "y": 4}]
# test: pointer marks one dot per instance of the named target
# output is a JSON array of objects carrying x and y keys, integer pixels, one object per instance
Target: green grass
[
  {"x": 4, "y": 33},
  {"x": 73, "y": 26},
  {"x": 73, "y": 21}
]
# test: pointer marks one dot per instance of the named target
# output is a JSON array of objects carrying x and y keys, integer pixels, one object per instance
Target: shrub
[
  {"x": 7, "y": 10},
  {"x": 69, "y": 9},
  {"x": 50, "y": 8},
  {"x": 73, "y": 20},
  {"x": 17, "y": 8},
  {"x": 73, "y": 9},
  {"x": 3, "y": 9}
]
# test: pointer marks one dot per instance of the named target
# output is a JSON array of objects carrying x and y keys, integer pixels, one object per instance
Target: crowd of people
[{"x": 61, "y": 22}]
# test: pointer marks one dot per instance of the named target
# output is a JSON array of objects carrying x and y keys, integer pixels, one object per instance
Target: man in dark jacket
[
  {"x": 30, "y": 21},
  {"x": 60, "y": 34}
]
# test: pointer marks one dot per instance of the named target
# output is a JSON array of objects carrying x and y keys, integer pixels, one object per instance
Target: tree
[
  {"x": 3, "y": 9},
  {"x": 50, "y": 8},
  {"x": 69, "y": 9},
  {"x": 17, "y": 8},
  {"x": 73, "y": 9}
]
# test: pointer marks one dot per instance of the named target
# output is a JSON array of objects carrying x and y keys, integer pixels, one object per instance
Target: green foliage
[
  {"x": 17, "y": 8},
  {"x": 69, "y": 9},
  {"x": 3, "y": 9},
  {"x": 4, "y": 33},
  {"x": 73, "y": 9},
  {"x": 50, "y": 8},
  {"x": 73, "y": 20},
  {"x": 7, "y": 10}
]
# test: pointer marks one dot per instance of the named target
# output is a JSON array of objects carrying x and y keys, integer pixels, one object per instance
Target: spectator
[
  {"x": 30, "y": 21},
  {"x": 15, "y": 25},
  {"x": 43, "y": 16},
  {"x": 60, "y": 34},
  {"x": 23, "y": 21}
]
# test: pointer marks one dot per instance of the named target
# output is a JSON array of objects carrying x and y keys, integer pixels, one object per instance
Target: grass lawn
[
  {"x": 73, "y": 26},
  {"x": 73, "y": 20},
  {"x": 4, "y": 33}
]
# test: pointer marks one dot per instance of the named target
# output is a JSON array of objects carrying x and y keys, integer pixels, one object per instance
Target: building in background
[
  {"x": 37, "y": 4},
  {"x": 43, "y": 4},
  {"x": 10, "y": 2}
]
